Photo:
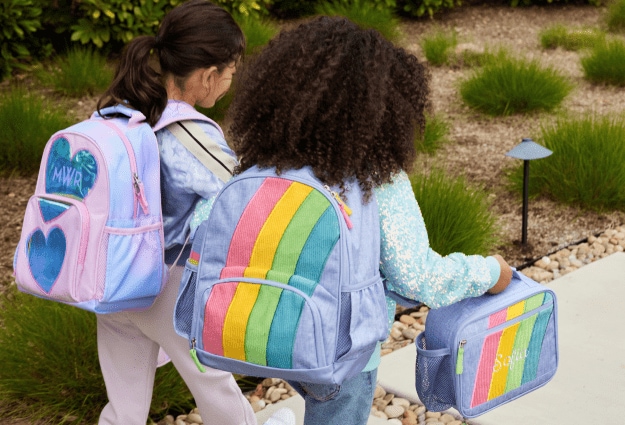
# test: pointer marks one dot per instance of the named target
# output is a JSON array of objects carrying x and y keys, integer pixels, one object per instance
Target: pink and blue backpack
[
  {"x": 283, "y": 280},
  {"x": 92, "y": 235}
]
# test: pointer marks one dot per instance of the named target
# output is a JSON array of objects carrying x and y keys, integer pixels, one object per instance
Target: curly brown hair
[{"x": 332, "y": 96}]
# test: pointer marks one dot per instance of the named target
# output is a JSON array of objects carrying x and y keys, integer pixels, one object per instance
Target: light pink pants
[{"x": 128, "y": 347}]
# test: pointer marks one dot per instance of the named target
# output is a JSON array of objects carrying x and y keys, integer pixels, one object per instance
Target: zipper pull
[
  {"x": 460, "y": 359},
  {"x": 199, "y": 365},
  {"x": 140, "y": 194},
  {"x": 345, "y": 210}
]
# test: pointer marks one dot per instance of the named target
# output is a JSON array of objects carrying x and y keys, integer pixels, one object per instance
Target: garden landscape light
[{"x": 527, "y": 150}]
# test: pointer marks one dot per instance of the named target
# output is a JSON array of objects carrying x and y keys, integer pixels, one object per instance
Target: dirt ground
[{"x": 477, "y": 143}]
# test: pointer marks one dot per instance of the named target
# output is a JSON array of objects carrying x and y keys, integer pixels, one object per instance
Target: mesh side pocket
[
  {"x": 344, "y": 342},
  {"x": 434, "y": 377},
  {"x": 183, "y": 314}
]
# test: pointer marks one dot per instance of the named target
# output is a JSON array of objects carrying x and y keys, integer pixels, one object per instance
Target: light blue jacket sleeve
[
  {"x": 185, "y": 181},
  {"x": 411, "y": 268}
]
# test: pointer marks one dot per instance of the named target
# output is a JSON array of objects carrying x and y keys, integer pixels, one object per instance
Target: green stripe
[
  {"x": 519, "y": 353},
  {"x": 534, "y": 302}
]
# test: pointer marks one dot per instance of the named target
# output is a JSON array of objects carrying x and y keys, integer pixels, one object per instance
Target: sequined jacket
[{"x": 413, "y": 271}]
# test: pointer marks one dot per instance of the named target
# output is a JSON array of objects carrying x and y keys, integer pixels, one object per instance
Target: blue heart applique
[
  {"x": 45, "y": 257},
  {"x": 67, "y": 175}
]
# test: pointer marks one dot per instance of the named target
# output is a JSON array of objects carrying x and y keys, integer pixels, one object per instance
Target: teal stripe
[
  {"x": 535, "y": 346},
  {"x": 308, "y": 271},
  {"x": 318, "y": 247}
]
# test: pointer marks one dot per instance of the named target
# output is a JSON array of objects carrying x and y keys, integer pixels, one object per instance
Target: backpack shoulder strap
[{"x": 204, "y": 148}]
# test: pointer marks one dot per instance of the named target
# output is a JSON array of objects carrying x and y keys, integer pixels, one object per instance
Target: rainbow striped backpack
[
  {"x": 482, "y": 352},
  {"x": 283, "y": 280}
]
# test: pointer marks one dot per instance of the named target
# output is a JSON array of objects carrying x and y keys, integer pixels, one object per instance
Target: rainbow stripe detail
[
  {"x": 194, "y": 258},
  {"x": 510, "y": 356},
  {"x": 285, "y": 234}
]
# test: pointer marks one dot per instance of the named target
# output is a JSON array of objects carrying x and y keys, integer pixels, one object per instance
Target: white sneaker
[{"x": 284, "y": 416}]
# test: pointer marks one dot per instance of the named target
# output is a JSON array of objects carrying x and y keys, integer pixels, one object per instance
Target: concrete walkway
[{"x": 589, "y": 386}]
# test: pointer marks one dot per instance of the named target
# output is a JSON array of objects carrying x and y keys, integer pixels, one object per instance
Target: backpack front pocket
[
  {"x": 260, "y": 323},
  {"x": 46, "y": 259}
]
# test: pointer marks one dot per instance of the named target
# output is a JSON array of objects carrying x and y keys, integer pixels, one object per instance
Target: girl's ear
[{"x": 208, "y": 77}]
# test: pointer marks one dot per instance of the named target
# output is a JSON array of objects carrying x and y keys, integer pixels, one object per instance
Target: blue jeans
[{"x": 347, "y": 404}]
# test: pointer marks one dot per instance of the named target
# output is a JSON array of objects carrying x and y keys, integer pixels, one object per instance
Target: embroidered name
[
  {"x": 509, "y": 361},
  {"x": 68, "y": 176}
]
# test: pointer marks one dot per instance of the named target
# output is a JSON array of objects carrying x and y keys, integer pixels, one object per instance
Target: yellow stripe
[
  {"x": 516, "y": 310},
  {"x": 261, "y": 259},
  {"x": 275, "y": 225},
  {"x": 502, "y": 362},
  {"x": 235, "y": 323}
]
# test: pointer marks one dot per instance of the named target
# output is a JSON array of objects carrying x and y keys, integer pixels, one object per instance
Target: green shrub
[
  {"x": 434, "y": 135},
  {"x": 615, "y": 16},
  {"x": 50, "y": 365},
  {"x": 365, "y": 13},
  {"x": 438, "y": 46},
  {"x": 19, "y": 18},
  {"x": 251, "y": 8},
  {"x": 606, "y": 63},
  {"x": 575, "y": 39},
  {"x": 418, "y": 8},
  {"x": 258, "y": 31},
  {"x": 510, "y": 86},
  {"x": 290, "y": 9},
  {"x": 457, "y": 216},
  {"x": 118, "y": 21},
  {"x": 82, "y": 71},
  {"x": 586, "y": 167},
  {"x": 27, "y": 123}
]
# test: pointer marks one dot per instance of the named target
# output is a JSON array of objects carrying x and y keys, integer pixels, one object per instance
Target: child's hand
[{"x": 504, "y": 277}]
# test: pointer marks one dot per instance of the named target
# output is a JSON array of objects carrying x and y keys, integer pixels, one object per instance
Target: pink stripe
[
  {"x": 194, "y": 256},
  {"x": 214, "y": 316},
  {"x": 485, "y": 369},
  {"x": 497, "y": 318},
  {"x": 253, "y": 219},
  {"x": 239, "y": 254}
]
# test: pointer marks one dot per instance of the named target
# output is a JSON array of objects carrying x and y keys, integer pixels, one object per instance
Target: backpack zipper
[
  {"x": 193, "y": 353},
  {"x": 460, "y": 357},
  {"x": 345, "y": 210},
  {"x": 137, "y": 183}
]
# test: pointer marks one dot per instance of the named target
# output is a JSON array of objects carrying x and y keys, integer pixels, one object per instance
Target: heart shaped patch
[
  {"x": 67, "y": 175},
  {"x": 45, "y": 257}
]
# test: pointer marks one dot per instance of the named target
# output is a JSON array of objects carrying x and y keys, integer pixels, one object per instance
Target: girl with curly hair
[{"x": 346, "y": 103}]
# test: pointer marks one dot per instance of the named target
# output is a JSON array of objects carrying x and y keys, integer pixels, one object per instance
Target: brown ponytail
[{"x": 196, "y": 34}]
